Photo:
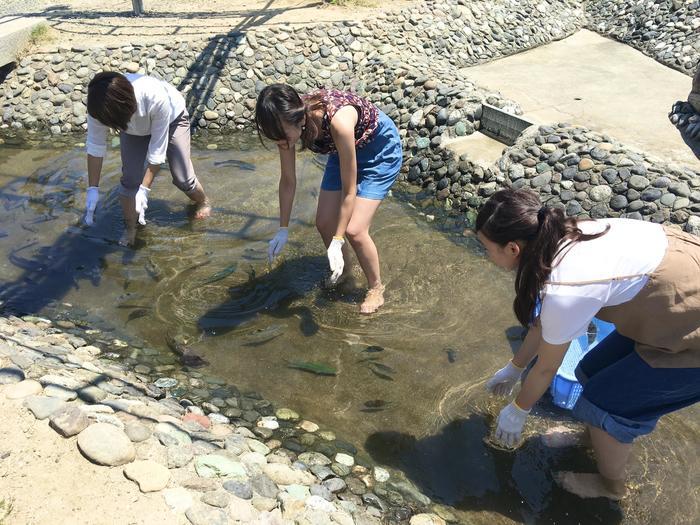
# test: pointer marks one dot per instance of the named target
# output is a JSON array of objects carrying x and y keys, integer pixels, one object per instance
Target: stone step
[{"x": 14, "y": 35}]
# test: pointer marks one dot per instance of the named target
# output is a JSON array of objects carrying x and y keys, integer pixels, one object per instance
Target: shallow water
[{"x": 409, "y": 385}]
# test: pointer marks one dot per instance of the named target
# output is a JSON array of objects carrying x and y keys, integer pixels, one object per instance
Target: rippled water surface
[{"x": 408, "y": 389}]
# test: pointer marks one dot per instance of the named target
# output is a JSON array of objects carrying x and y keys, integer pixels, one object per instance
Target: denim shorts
[
  {"x": 623, "y": 395},
  {"x": 378, "y": 163}
]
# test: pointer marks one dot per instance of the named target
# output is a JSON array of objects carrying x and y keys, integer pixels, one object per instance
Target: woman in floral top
[{"x": 364, "y": 160}]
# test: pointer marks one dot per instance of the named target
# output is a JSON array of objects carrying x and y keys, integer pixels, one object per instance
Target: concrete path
[
  {"x": 598, "y": 83},
  {"x": 14, "y": 34}
]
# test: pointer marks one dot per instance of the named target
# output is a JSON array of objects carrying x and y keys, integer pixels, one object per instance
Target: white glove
[
  {"x": 91, "y": 198},
  {"x": 503, "y": 381},
  {"x": 335, "y": 259},
  {"x": 277, "y": 243},
  {"x": 509, "y": 425},
  {"x": 141, "y": 201}
]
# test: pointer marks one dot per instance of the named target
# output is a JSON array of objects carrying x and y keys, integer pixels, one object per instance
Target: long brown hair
[
  {"x": 518, "y": 215},
  {"x": 278, "y": 103},
  {"x": 111, "y": 100}
]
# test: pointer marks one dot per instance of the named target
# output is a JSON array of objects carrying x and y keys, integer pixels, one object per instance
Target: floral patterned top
[{"x": 333, "y": 99}]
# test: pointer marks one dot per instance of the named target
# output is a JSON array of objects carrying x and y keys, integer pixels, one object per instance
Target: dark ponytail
[
  {"x": 278, "y": 103},
  {"x": 518, "y": 215}
]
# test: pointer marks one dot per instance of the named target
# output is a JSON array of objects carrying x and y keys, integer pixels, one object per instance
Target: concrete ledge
[{"x": 14, "y": 34}]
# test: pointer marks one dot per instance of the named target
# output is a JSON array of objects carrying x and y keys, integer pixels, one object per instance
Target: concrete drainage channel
[
  {"x": 15, "y": 31},
  {"x": 498, "y": 129}
]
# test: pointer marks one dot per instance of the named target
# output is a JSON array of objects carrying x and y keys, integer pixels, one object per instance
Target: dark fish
[
  {"x": 188, "y": 357},
  {"x": 382, "y": 368},
  {"x": 369, "y": 359},
  {"x": 321, "y": 369},
  {"x": 153, "y": 270},
  {"x": 129, "y": 306},
  {"x": 381, "y": 375},
  {"x": 220, "y": 275},
  {"x": 137, "y": 314},
  {"x": 373, "y": 348},
  {"x": 240, "y": 164},
  {"x": 451, "y": 355},
  {"x": 263, "y": 335},
  {"x": 375, "y": 405}
]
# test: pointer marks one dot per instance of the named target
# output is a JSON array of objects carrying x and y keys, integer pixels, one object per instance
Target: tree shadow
[{"x": 457, "y": 468}]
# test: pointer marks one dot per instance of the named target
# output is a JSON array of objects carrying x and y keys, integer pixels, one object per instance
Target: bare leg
[
  {"x": 130, "y": 216},
  {"x": 326, "y": 224},
  {"x": 366, "y": 251},
  {"x": 198, "y": 196},
  {"x": 611, "y": 457}
]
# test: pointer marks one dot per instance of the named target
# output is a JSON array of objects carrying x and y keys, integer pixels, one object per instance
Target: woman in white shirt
[
  {"x": 642, "y": 277},
  {"x": 151, "y": 117}
]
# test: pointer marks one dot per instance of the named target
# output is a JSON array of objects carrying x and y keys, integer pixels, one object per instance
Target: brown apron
[{"x": 664, "y": 317}]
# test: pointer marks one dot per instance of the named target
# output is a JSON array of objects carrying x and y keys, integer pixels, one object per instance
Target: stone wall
[
  {"x": 666, "y": 30},
  {"x": 222, "y": 76}
]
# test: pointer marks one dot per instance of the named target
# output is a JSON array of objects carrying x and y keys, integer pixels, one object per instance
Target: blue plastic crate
[{"x": 565, "y": 389}]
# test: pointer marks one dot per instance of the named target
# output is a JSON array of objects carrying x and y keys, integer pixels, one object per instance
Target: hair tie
[{"x": 541, "y": 213}]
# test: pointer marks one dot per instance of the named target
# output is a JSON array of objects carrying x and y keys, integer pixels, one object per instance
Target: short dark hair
[{"x": 111, "y": 99}]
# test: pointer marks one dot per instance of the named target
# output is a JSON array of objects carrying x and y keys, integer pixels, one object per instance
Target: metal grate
[{"x": 501, "y": 126}]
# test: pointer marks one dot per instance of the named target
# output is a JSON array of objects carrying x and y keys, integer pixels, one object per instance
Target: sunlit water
[{"x": 408, "y": 389}]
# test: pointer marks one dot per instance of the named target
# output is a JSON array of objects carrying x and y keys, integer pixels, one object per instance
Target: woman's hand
[
  {"x": 503, "y": 381},
  {"x": 91, "y": 198},
  {"x": 277, "y": 243},
  {"x": 510, "y": 423},
  {"x": 335, "y": 258}
]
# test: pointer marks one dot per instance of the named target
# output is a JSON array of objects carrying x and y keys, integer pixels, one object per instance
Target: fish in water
[
  {"x": 221, "y": 274},
  {"x": 130, "y": 306},
  {"x": 137, "y": 314},
  {"x": 263, "y": 335},
  {"x": 373, "y": 349},
  {"x": 188, "y": 357},
  {"x": 153, "y": 270},
  {"x": 381, "y": 371},
  {"x": 451, "y": 354},
  {"x": 240, "y": 164},
  {"x": 321, "y": 369},
  {"x": 375, "y": 405}
]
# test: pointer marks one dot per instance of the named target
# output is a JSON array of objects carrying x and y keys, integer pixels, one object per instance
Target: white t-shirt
[
  {"x": 158, "y": 104},
  {"x": 631, "y": 249}
]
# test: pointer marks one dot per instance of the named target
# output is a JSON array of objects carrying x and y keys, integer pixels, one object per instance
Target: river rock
[
  {"x": 105, "y": 444},
  {"x": 23, "y": 389},
  {"x": 69, "y": 421},
  {"x": 149, "y": 475}
]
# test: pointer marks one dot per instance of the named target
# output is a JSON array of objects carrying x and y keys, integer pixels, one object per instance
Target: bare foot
[
  {"x": 373, "y": 300},
  {"x": 588, "y": 485},
  {"x": 561, "y": 436},
  {"x": 203, "y": 210},
  {"x": 128, "y": 238}
]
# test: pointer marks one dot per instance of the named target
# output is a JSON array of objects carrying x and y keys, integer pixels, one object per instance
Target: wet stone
[
  {"x": 335, "y": 484},
  {"x": 322, "y": 472}
]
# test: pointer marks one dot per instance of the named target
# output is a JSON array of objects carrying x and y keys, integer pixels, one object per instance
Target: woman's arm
[
  {"x": 528, "y": 349},
  {"x": 288, "y": 183},
  {"x": 343, "y": 133},
  {"x": 538, "y": 379}
]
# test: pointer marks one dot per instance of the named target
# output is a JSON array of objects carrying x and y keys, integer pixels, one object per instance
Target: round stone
[
  {"x": 105, "y": 444},
  {"x": 286, "y": 414},
  {"x": 585, "y": 164},
  {"x": 137, "y": 432},
  {"x": 638, "y": 182},
  {"x": 23, "y": 389},
  {"x": 427, "y": 519},
  {"x": 600, "y": 193},
  {"x": 345, "y": 459},
  {"x": 149, "y": 475}
]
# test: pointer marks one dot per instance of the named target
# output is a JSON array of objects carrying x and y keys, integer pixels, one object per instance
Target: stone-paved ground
[{"x": 668, "y": 30}]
